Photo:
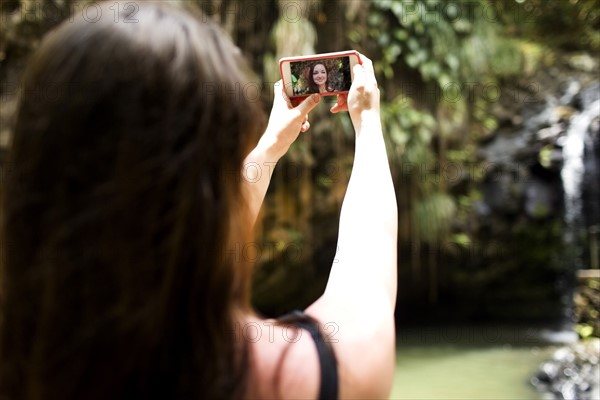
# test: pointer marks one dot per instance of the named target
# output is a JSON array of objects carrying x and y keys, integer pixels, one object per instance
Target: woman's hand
[
  {"x": 363, "y": 95},
  {"x": 286, "y": 122}
]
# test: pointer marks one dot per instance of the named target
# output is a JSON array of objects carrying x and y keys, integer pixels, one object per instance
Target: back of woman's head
[{"x": 122, "y": 204}]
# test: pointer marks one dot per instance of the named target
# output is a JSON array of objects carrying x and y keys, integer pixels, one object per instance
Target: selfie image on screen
[{"x": 321, "y": 76}]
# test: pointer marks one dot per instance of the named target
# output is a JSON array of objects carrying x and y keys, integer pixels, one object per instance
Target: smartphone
[{"x": 327, "y": 74}]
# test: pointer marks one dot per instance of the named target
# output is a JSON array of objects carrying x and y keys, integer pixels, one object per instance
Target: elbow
[{"x": 378, "y": 379}]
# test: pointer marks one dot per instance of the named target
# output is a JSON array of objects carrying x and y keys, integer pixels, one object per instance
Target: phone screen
[{"x": 327, "y": 75}]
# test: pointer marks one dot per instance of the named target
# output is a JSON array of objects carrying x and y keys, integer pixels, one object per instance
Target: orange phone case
[{"x": 298, "y": 99}]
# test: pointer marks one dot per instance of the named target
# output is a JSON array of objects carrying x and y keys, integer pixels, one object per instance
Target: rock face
[
  {"x": 525, "y": 235},
  {"x": 591, "y": 163},
  {"x": 540, "y": 194},
  {"x": 527, "y": 159},
  {"x": 573, "y": 372}
]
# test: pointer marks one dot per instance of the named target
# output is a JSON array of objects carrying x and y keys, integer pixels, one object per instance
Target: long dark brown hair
[
  {"x": 313, "y": 87},
  {"x": 122, "y": 212}
]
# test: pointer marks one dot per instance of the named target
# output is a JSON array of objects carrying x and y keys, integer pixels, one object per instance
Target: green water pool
[{"x": 461, "y": 370}]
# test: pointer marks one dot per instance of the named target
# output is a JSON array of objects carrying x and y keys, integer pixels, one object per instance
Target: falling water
[
  {"x": 572, "y": 175},
  {"x": 572, "y": 178}
]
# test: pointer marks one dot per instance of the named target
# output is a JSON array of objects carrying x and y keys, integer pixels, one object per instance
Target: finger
[
  {"x": 278, "y": 89},
  {"x": 286, "y": 98},
  {"x": 366, "y": 63},
  {"x": 359, "y": 76},
  {"x": 341, "y": 104},
  {"x": 308, "y": 104},
  {"x": 337, "y": 108},
  {"x": 368, "y": 69},
  {"x": 305, "y": 126},
  {"x": 279, "y": 95}
]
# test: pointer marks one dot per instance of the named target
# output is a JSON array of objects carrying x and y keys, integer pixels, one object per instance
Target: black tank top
[{"x": 329, "y": 387}]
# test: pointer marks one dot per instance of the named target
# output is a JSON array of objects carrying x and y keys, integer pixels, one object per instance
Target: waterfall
[{"x": 572, "y": 175}]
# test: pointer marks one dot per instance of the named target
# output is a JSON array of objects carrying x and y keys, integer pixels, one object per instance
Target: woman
[
  {"x": 318, "y": 77},
  {"x": 123, "y": 208}
]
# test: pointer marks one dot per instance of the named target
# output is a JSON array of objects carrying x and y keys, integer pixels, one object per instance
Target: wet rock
[
  {"x": 539, "y": 199},
  {"x": 569, "y": 97},
  {"x": 583, "y": 62},
  {"x": 562, "y": 114},
  {"x": 573, "y": 372},
  {"x": 537, "y": 141},
  {"x": 503, "y": 191},
  {"x": 589, "y": 94},
  {"x": 550, "y": 134}
]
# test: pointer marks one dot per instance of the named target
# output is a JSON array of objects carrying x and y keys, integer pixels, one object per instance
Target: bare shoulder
[{"x": 283, "y": 361}]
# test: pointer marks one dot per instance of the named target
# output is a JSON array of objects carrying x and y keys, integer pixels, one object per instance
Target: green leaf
[
  {"x": 462, "y": 25},
  {"x": 584, "y": 330},
  {"x": 412, "y": 60},
  {"x": 452, "y": 61},
  {"x": 461, "y": 239},
  {"x": 384, "y": 39},
  {"x": 413, "y": 44},
  {"x": 401, "y": 34}
]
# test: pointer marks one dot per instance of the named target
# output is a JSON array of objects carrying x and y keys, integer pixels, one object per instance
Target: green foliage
[
  {"x": 443, "y": 44},
  {"x": 429, "y": 44},
  {"x": 446, "y": 49},
  {"x": 408, "y": 132},
  {"x": 432, "y": 217},
  {"x": 569, "y": 25},
  {"x": 584, "y": 330},
  {"x": 587, "y": 308}
]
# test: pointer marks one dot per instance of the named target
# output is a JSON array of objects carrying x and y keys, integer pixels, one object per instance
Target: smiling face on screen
[{"x": 319, "y": 74}]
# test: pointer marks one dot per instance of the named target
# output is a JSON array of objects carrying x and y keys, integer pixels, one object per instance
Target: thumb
[{"x": 308, "y": 104}]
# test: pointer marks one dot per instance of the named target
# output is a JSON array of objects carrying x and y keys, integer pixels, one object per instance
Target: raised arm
[
  {"x": 360, "y": 295},
  {"x": 285, "y": 124}
]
